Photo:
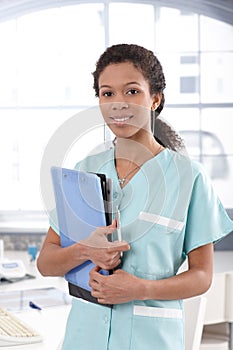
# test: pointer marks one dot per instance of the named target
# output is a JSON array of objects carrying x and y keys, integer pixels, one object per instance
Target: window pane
[
  {"x": 189, "y": 84},
  {"x": 23, "y": 137},
  {"x": 186, "y": 122},
  {"x": 8, "y": 59},
  {"x": 219, "y": 122},
  {"x": 38, "y": 59},
  {"x": 223, "y": 184},
  {"x": 84, "y": 145},
  {"x": 131, "y": 23},
  {"x": 56, "y": 60},
  {"x": 83, "y": 40},
  {"x": 182, "y": 77},
  {"x": 176, "y": 31},
  {"x": 215, "y": 35},
  {"x": 216, "y": 77}
]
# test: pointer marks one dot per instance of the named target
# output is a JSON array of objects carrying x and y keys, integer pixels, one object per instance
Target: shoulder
[
  {"x": 188, "y": 174},
  {"x": 184, "y": 161}
]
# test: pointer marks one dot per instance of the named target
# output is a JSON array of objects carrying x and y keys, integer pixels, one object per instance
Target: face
[{"x": 125, "y": 100}]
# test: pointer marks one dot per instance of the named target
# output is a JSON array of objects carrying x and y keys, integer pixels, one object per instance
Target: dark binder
[{"x": 83, "y": 203}]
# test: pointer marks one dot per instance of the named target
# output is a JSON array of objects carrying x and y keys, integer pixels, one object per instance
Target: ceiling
[{"x": 218, "y": 9}]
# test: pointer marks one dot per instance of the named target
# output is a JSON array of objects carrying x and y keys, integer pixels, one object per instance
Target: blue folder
[{"x": 82, "y": 204}]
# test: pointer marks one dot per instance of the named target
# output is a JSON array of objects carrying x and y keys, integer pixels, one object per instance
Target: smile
[{"x": 121, "y": 119}]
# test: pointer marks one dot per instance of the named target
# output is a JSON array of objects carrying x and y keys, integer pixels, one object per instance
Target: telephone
[{"x": 12, "y": 269}]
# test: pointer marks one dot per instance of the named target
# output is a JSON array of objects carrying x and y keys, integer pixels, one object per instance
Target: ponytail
[{"x": 165, "y": 135}]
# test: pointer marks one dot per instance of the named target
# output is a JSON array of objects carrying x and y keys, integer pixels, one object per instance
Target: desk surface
[
  {"x": 49, "y": 322},
  {"x": 31, "y": 268}
]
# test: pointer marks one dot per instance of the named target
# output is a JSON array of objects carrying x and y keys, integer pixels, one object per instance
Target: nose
[{"x": 120, "y": 106}]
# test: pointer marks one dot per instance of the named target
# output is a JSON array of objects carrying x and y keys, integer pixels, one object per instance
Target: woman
[{"x": 168, "y": 212}]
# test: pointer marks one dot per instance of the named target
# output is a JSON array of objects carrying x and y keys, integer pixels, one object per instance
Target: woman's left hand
[{"x": 120, "y": 287}]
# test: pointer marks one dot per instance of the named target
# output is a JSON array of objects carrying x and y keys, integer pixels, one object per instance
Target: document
[{"x": 83, "y": 203}]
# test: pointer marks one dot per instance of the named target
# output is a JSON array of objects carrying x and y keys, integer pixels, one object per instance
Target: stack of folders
[{"x": 83, "y": 203}]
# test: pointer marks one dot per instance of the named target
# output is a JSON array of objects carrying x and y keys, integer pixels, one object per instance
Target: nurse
[{"x": 169, "y": 212}]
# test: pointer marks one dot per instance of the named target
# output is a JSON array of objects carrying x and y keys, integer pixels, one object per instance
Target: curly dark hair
[{"x": 150, "y": 67}]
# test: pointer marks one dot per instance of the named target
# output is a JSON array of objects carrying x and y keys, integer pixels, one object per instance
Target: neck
[{"x": 136, "y": 151}]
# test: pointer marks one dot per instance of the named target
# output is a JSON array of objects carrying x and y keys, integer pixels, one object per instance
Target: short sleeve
[
  {"x": 207, "y": 219},
  {"x": 53, "y": 221}
]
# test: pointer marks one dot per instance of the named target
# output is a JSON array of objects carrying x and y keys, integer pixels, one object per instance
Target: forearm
[
  {"x": 195, "y": 281},
  {"x": 184, "y": 285},
  {"x": 121, "y": 286},
  {"x": 56, "y": 261}
]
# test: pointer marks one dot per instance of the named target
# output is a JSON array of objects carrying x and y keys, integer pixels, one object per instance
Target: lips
[{"x": 121, "y": 119}]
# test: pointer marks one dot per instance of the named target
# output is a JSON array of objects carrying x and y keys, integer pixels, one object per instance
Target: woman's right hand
[{"x": 102, "y": 252}]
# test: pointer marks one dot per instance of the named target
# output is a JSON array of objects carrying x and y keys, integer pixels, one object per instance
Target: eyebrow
[
  {"x": 104, "y": 86},
  {"x": 129, "y": 83}
]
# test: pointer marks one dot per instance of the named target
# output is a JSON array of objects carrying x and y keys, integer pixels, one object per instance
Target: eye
[
  {"x": 107, "y": 93},
  {"x": 132, "y": 92}
]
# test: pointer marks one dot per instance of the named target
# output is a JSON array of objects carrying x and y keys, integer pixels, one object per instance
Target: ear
[{"x": 156, "y": 99}]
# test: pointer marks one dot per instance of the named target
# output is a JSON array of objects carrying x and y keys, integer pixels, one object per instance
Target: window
[
  {"x": 45, "y": 79},
  {"x": 188, "y": 84}
]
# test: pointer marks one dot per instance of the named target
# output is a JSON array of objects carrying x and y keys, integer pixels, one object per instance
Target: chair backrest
[{"x": 194, "y": 310}]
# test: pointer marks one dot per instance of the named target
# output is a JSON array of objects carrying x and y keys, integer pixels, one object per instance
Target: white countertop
[{"x": 49, "y": 322}]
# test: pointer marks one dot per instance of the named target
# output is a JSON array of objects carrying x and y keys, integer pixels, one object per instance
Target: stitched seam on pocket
[
  {"x": 161, "y": 220},
  {"x": 157, "y": 312}
]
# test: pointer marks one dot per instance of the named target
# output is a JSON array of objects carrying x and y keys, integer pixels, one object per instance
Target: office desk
[{"x": 49, "y": 322}]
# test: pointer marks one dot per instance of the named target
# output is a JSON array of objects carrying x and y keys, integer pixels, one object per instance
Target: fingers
[
  {"x": 95, "y": 269},
  {"x": 107, "y": 230},
  {"x": 122, "y": 246},
  {"x": 107, "y": 259},
  {"x": 112, "y": 260},
  {"x": 98, "y": 237},
  {"x": 115, "y": 260},
  {"x": 114, "y": 224},
  {"x": 110, "y": 228},
  {"x": 95, "y": 276},
  {"x": 99, "y": 286}
]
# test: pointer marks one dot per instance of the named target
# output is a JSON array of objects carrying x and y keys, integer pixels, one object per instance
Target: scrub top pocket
[
  {"x": 157, "y": 328},
  {"x": 170, "y": 224},
  {"x": 161, "y": 244}
]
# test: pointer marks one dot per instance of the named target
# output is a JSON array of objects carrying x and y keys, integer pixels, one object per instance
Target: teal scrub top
[{"x": 167, "y": 209}]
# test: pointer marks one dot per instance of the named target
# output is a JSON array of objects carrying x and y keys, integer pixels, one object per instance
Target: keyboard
[{"x": 14, "y": 332}]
